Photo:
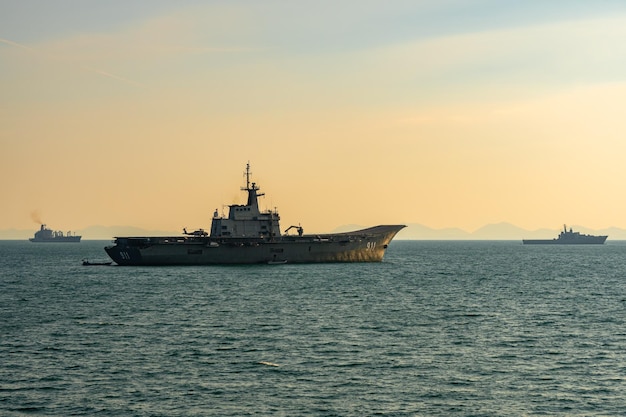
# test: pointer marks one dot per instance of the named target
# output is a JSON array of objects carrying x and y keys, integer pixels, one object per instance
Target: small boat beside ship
[
  {"x": 251, "y": 236},
  {"x": 568, "y": 237},
  {"x": 99, "y": 263},
  {"x": 45, "y": 235}
]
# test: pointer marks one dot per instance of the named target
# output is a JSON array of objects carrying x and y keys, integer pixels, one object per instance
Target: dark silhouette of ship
[
  {"x": 250, "y": 236},
  {"x": 48, "y": 236},
  {"x": 568, "y": 238}
]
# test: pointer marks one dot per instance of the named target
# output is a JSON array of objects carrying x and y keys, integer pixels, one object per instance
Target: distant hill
[
  {"x": 499, "y": 231},
  {"x": 413, "y": 231},
  {"x": 92, "y": 233},
  {"x": 421, "y": 232},
  {"x": 496, "y": 231},
  {"x": 108, "y": 232}
]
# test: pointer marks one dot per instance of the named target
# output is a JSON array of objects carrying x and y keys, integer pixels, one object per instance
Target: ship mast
[
  {"x": 247, "y": 174},
  {"x": 251, "y": 188}
]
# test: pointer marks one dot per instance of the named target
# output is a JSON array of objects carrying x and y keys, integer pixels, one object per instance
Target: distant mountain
[
  {"x": 347, "y": 228},
  {"x": 16, "y": 234},
  {"x": 496, "y": 231},
  {"x": 499, "y": 231},
  {"x": 413, "y": 231},
  {"x": 416, "y": 231},
  {"x": 109, "y": 232},
  {"x": 92, "y": 233}
]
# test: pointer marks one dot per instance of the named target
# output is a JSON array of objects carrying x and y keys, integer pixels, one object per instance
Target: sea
[{"x": 439, "y": 328}]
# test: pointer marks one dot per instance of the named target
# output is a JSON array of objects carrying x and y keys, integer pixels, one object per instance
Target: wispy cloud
[
  {"x": 86, "y": 68},
  {"x": 17, "y": 45},
  {"x": 206, "y": 50},
  {"x": 114, "y": 77}
]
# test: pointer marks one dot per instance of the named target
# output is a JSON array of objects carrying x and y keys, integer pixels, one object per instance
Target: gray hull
[
  {"x": 587, "y": 240},
  {"x": 65, "y": 239},
  {"x": 367, "y": 245}
]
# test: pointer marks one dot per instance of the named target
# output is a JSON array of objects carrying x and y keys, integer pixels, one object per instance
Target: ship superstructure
[
  {"x": 247, "y": 220},
  {"x": 249, "y": 235}
]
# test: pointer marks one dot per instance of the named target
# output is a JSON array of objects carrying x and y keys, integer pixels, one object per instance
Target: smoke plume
[{"x": 36, "y": 216}]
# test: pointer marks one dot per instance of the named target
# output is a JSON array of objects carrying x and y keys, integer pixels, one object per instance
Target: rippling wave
[{"x": 438, "y": 328}]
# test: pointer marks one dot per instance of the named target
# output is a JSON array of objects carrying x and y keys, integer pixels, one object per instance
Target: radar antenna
[
  {"x": 247, "y": 174},
  {"x": 249, "y": 185},
  {"x": 251, "y": 188}
]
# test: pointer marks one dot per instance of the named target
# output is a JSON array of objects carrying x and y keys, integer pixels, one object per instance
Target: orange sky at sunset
[{"x": 438, "y": 113}]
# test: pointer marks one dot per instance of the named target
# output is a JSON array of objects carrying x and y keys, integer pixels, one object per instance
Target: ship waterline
[{"x": 251, "y": 236}]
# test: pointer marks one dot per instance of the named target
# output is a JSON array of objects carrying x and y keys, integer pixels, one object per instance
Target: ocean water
[{"x": 437, "y": 329}]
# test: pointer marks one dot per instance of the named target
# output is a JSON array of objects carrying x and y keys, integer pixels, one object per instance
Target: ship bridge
[{"x": 247, "y": 220}]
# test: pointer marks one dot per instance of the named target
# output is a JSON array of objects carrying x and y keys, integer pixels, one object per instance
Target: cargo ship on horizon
[
  {"x": 251, "y": 236},
  {"x": 568, "y": 238},
  {"x": 45, "y": 235}
]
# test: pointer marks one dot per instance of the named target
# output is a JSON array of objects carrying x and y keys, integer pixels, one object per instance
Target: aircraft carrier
[{"x": 251, "y": 236}]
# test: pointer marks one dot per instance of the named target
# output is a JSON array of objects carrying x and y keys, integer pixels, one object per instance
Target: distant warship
[
  {"x": 568, "y": 238},
  {"x": 46, "y": 235},
  {"x": 251, "y": 236}
]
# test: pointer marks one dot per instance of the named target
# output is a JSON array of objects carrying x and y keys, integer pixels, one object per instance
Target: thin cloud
[
  {"x": 114, "y": 77},
  {"x": 90, "y": 69},
  {"x": 201, "y": 49},
  {"x": 17, "y": 45}
]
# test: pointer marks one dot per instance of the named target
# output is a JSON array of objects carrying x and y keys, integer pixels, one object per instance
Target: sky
[{"x": 445, "y": 113}]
